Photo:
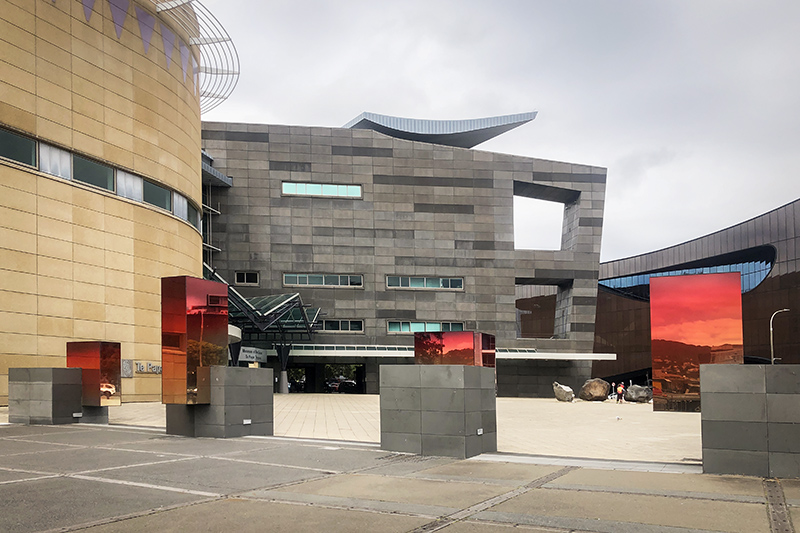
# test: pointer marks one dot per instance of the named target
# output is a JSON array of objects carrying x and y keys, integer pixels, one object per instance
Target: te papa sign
[{"x": 147, "y": 368}]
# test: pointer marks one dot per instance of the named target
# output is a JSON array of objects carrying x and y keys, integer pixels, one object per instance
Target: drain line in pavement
[
  {"x": 779, "y": 520},
  {"x": 441, "y": 523}
]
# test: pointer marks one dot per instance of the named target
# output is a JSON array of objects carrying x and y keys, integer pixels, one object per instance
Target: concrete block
[
  {"x": 400, "y": 376},
  {"x": 473, "y": 445},
  {"x": 406, "y": 398},
  {"x": 735, "y": 462},
  {"x": 67, "y": 376},
  {"x": 441, "y": 376},
  {"x": 215, "y": 431},
  {"x": 209, "y": 415},
  {"x": 472, "y": 422},
  {"x": 732, "y": 406},
  {"x": 783, "y": 407},
  {"x": 488, "y": 378},
  {"x": 784, "y": 465},
  {"x": 489, "y": 400},
  {"x": 261, "y": 395},
  {"x": 180, "y": 420},
  {"x": 402, "y": 442},
  {"x": 439, "y": 423},
  {"x": 489, "y": 442},
  {"x": 441, "y": 399},
  {"x": 734, "y": 435},
  {"x": 41, "y": 375},
  {"x": 732, "y": 378},
  {"x": 398, "y": 421},
  {"x": 489, "y": 421},
  {"x": 444, "y": 445},
  {"x": 783, "y": 379},
  {"x": 19, "y": 375},
  {"x": 472, "y": 377},
  {"x": 784, "y": 438},
  {"x": 94, "y": 415},
  {"x": 472, "y": 399}
]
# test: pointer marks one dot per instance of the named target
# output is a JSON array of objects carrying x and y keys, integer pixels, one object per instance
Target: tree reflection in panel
[
  {"x": 454, "y": 348},
  {"x": 100, "y": 362},
  {"x": 694, "y": 320},
  {"x": 194, "y": 333}
]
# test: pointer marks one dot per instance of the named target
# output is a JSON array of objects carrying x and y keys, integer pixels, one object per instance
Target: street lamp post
[{"x": 771, "y": 342}]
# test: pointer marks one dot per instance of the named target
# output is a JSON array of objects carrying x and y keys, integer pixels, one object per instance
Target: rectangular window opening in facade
[
  {"x": 292, "y": 188},
  {"x": 157, "y": 195},
  {"x": 324, "y": 280},
  {"x": 419, "y": 282},
  {"x": 92, "y": 173},
  {"x": 17, "y": 148},
  {"x": 401, "y": 326},
  {"x": 343, "y": 326},
  {"x": 55, "y": 161},
  {"x": 249, "y": 277}
]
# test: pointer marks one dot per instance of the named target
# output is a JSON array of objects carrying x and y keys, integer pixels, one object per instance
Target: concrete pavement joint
[
  {"x": 779, "y": 519},
  {"x": 136, "y": 465},
  {"x": 145, "y": 485},
  {"x": 321, "y": 470},
  {"x": 666, "y": 493},
  {"x": 491, "y": 502}
]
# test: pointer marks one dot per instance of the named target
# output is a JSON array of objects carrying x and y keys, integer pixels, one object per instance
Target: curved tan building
[{"x": 100, "y": 177}]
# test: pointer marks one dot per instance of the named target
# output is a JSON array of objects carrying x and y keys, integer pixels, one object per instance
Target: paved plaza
[{"x": 561, "y": 467}]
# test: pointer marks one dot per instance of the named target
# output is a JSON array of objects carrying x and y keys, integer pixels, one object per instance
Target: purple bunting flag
[
  {"x": 169, "y": 44},
  {"x": 184, "y": 59},
  {"x": 119, "y": 12},
  {"x": 88, "y": 6},
  {"x": 147, "y": 25}
]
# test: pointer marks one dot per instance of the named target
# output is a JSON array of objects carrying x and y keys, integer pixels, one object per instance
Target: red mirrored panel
[
  {"x": 100, "y": 362},
  {"x": 694, "y": 320},
  {"x": 454, "y": 348},
  {"x": 194, "y": 334}
]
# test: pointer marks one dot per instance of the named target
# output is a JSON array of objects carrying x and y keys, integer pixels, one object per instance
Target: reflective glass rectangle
[
  {"x": 356, "y": 281},
  {"x": 417, "y": 282},
  {"x": 92, "y": 172},
  {"x": 290, "y": 279},
  {"x": 330, "y": 190},
  {"x": 315, "y": 279},
  {"x": 289, "y": 188},
  {"x": 17, "y": 148},
  {"x": 393, "y": 281},
  {"x": 130, "y": 186},
  {"x": 314, "y": 189},
  {"x": 55, "y": 161},
  {"x": 101, "y": 378},
  {"x": 354, "y": 190},
  {"x": 157, "y": 195},
  {"x": 394, "y": 327},
  {"x": 433, "y": 326},
  {"x": 332, "y": 280},
  {"x": 356, "y": 325}
]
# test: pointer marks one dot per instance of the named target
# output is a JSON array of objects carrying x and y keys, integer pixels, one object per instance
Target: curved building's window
[
  {"x": 180, "y": 206},
  {"x": 414, "y": 327},
  {"x": 291, "y": 188},
  {"x": 409, "y": 282},
  {"x": 17, "y": 148},
  {"x": 55, "y": 161},
  {"x": 157, "y": 195},
  {"x": 324, "y": 280},
  {"x": 92, "y": 172},
  {"x": 343, "y": 326},
  {"x": 129, "y": 185},
  {"x": 193, "y": 215}
]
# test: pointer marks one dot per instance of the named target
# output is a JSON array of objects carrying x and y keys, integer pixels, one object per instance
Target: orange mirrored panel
[
  {"x": 454, "y": 348},
  {"x": 100, "y": 362},
  {"x": 194, "y": 334},
  {"x": 694, "y": 320}
]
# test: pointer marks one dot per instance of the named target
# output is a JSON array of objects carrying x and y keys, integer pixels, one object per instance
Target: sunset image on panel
[{"x": 694, "y": 320}]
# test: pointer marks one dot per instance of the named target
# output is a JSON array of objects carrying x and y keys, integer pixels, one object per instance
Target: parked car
[{"x": 347, "y": 386}]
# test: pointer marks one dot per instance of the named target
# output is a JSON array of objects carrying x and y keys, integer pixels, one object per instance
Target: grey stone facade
[
  {"x": 425, "y": 210},
  {"x": 750, "y": 420},
  {"x": 447, "y": 410},
  {"x": 44, "y": 395}
]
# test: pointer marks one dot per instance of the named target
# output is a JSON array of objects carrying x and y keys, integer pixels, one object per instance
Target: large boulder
[
  {"x": 595, "y": 390},
  {"x": 637, "y": 393},
  {"x": 562, "y": 392}
]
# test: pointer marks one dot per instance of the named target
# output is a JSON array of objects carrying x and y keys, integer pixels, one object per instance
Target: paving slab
[
  {"x": 330, "y": 458},
  {"x": 60, "y": 502},
  {"x": 10, "y": 447},
  {"x": 658, "y": 511},
  {"x": 67, "y": 460},
  {"x": 214, "y": 474},
  {"x": 92, "y": 436},
  {"x": 199, "y": 446},
  {"x": 487, "y": 472},
  {"x": 402, "y": 490},
  {"x": 465, "y": 526},
  {"x": 245, "y": 516},
  {"x": 705, "y": 486},
  {"x": 791, "y": 491}
]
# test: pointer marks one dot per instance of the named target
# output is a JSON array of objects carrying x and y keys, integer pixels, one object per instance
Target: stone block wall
[
  {"x": 241, "y": 405},
  {"x": 44, "y": 395},
  {"x": 750, "y": 419},
  {"x": 446, "y": 410}
]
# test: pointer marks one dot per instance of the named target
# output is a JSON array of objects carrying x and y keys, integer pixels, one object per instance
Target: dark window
[
  {"x": 157, "y": 195},
  {"x": 93, "y": 173},
  {"x": 18, "y": 148},
  {"x": 247, "y": 278}
]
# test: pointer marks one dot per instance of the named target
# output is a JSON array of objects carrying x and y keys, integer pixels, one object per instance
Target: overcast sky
[{"x": 693, "y": 106}]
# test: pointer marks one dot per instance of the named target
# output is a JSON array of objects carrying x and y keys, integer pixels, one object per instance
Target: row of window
[
  {"x": 351, "y": 280},
  {"x": 321, "y": 189},
  {"x": 427, "y": 283},
  {"x": 69, "y": 166},
  {"x": 324, "y": 280},
  {"x": 343, "y": 325},
  {"x": 415, "y": 327}
]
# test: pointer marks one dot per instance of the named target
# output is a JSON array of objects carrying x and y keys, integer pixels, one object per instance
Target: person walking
[{"x": 621, "y": 392}]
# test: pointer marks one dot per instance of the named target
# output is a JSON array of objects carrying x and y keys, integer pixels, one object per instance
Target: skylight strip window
[{"x": 292, "y": 188}]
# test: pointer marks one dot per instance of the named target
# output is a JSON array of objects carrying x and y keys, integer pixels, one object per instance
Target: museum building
[{"x": 392, "y": 226}]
